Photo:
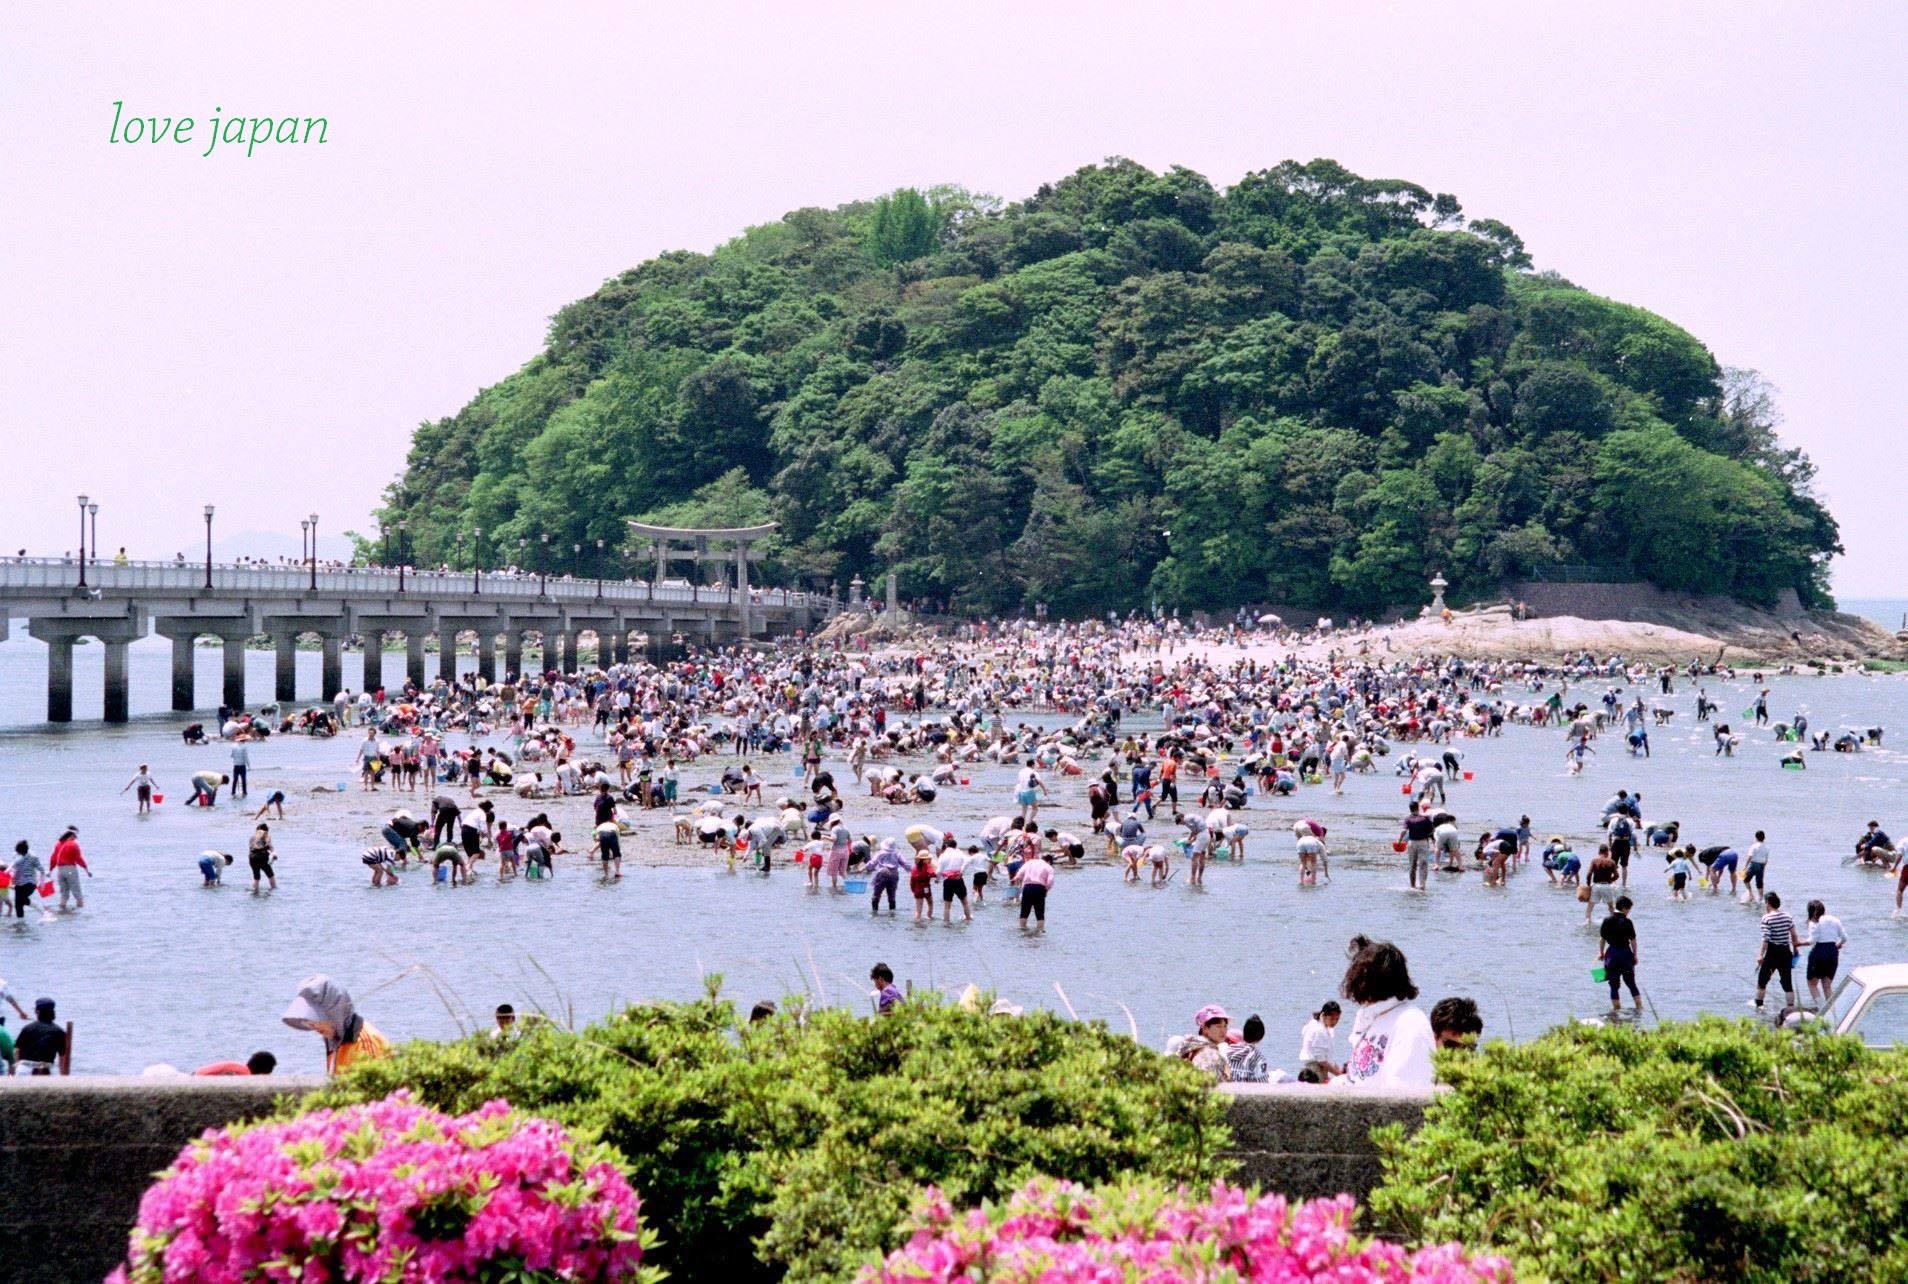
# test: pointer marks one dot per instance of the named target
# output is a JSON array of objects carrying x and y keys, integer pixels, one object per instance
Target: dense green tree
[
  {"x": 903, "y": 227},
  {"x": 1312, "y": 388}
]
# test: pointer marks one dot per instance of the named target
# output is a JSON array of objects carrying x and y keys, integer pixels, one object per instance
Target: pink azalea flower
[
  {"x": 386, "y": 1191},
  {"x": 1054, "y": 1233}
]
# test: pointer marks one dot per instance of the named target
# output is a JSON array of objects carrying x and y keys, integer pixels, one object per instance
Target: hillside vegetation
[{"x": 1131, "y": 387}]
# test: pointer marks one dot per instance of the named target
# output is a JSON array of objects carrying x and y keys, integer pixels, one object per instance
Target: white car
[{"x": 1871, "y": 1003}]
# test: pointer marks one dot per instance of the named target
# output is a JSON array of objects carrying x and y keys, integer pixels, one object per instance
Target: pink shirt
[{"x": 1036, "y": 873}]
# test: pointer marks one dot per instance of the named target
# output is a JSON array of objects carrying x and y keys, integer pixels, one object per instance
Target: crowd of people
[{"x": 1142, "y": 746}]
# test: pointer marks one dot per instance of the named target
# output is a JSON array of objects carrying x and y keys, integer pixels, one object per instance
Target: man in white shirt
[{"x": 951, "y": 868}]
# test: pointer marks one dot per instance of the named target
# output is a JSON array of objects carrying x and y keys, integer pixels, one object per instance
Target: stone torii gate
[{"x": 698, "y": 540}]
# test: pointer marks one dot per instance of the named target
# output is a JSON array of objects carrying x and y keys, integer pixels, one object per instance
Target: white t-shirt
[
  {"x": 1827, "y": 930},
  {"x": 1316, "y": 1041},
  {"x": 1391, "y": 1045}
]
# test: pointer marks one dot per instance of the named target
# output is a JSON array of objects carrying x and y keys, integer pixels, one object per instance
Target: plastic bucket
[
  {"x": 47, "y": 888},
  {"x": 6, "y": 880},
  {"x": 1597, "y": 973},
  {"x": 1470, "y": 775},
  {"x": 343, "y": 785},
  {"x": 442, "y": 875},
  {"x": 1398, "y": 847},
  {"x": 1405, "y": 790},
  {"x": 856, "y": 885}
]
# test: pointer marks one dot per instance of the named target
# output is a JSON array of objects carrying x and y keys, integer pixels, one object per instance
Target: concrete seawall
[{"x": 76, "y": 1154}]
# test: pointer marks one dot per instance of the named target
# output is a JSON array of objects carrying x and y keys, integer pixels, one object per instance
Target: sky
[{"x": 262, "y": 333}]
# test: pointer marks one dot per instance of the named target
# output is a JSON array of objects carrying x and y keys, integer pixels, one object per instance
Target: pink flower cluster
[
  {"x": 1055, "y": 1231},
  {"x": 390, "y": 1191}
]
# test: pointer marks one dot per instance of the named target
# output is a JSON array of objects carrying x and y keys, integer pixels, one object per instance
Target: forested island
[{"x": 1130, "y": 388}]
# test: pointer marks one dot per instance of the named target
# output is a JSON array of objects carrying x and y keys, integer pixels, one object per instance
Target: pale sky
[{"x": 263, "y": 333}]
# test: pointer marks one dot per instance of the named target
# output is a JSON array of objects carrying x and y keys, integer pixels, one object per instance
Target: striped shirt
[{"x": 1778, "y": 929}]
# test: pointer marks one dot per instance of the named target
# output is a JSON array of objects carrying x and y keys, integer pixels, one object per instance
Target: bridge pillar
[
  {"x": 234, "y": 646},
  {"x": 118, "y": 702},
  {"x": 414, "y": 656},
  {"x": 513, "y": 654},
  {"x": 184, "y": 689},
  {"x": 331, "y": 648},
  {"x": 619, "y": 647},
  {"x": 59, "y": 679},
  {"x": 572, "y": 652},
  {"x": 487, "y": 654},
  {"x": 285, "y": 667},
  {"x": 372, "y": 676}
]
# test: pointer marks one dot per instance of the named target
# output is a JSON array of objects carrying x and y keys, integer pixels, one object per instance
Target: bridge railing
[{"x": 62, "y": 575}]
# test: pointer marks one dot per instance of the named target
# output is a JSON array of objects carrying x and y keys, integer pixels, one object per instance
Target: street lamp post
[
  {"x": 476, "y": 559},
  {"x": 404, "y": 549},
  {"x": 304, "y": 539},
  {"x": 208, "y": 546},
  {"x": 82, "y": 543},
  {"x": 314, "y": 552},
  {"x": 543, "y": 565},
  {"x": 599, "y": 568},
  {"x": 92, "y": 515}
]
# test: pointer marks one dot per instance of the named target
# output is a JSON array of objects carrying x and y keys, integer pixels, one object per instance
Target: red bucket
[
  {"x": 1397, "y": 847},
  {"x": 6, "y": 880},
  {"x": 47, "y": 888},
  {"x": 1405, "y": 790},
  {"x": 1470, "y": 775},
  {"x": 158, "y": 798}
]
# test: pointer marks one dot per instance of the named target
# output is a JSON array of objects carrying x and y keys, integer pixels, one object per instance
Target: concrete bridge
[{"x": 184, "y": 602}]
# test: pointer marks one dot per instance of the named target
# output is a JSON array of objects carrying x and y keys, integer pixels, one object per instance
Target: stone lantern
[{"x": 1438, "y": 585}]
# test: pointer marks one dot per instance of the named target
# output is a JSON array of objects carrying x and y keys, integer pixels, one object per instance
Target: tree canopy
[{"x": 1133, "y": 387}]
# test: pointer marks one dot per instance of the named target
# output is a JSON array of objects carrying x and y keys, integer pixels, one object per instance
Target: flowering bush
[
  {"x": 390, "y": 1191},
  {"x": 1056, "y": 1231},
  {"x": 791, "y": 1149}
]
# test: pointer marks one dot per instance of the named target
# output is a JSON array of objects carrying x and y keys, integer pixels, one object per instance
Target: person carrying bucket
[
  {"x": 25, "y": 874},
  {"x": 143, "y": 782}
]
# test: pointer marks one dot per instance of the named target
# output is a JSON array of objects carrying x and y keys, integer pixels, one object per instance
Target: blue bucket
[{"x": 855, "y": 885}]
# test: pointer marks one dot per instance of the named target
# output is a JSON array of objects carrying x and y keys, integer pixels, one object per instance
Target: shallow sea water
[{"x": 156, "y": 969}]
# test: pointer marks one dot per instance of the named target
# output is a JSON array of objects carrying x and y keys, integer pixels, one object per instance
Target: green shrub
[
  {"x": 1708, "y": 1150},
  {"x": 796, "y": 1146}
]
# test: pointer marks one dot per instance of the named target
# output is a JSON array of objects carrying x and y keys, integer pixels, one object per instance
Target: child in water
[
  {"x": 921, "y": 884},
  {"x": 1680, "y": 870}
]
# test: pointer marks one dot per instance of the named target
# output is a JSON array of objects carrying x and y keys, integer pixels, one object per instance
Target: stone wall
[
  {"x": 76, "y": 1154},
  {"x": 1309, "y": 1142}
]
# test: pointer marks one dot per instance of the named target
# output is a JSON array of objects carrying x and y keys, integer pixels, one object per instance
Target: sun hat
[{"x": 1208, "y": 1014}]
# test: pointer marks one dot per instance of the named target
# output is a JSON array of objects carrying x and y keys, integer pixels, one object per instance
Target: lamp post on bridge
[
  {"x": 404, "y": 548},
  {"x": 92, "y": 514},
  {"x": 599, "y": 569},
  {"x": 82, "y": 543},
  {"x": 543, "y": 565},
  {"x": 304, "y": 538},
  {"x": 208, "y": 546},
  {"x": 476, "y": 559},
  {"x": 314, "y": 552}
]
